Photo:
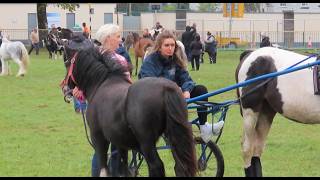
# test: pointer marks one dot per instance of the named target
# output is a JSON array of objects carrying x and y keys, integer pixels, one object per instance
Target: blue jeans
[
  {"x": 78, "y": 105},
  {"x": 95, "y": 170}
]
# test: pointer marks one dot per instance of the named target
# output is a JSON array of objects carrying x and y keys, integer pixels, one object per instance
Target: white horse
[{"x": 16, "y": 51}]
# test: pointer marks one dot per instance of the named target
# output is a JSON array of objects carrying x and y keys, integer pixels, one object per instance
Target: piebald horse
[
  {"x": 280, "y": 94},
  {"x": 16, "y": 51}
]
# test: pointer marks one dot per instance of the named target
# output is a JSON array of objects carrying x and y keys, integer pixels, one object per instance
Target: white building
[{"x": 296, "y": 7}]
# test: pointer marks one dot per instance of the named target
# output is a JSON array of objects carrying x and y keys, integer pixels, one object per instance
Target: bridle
[{"x": 69, "y": 76}]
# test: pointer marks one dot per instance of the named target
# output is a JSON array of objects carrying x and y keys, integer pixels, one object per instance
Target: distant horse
[
  {"x": 16, "y": 51},
  {"x": 53, "y": 45},
  {"x": 282, "y": 94},
  {"x": 155, "y": 32},
  {"x": 132, "y": 116},
  {"x": 140, "y": 45}
]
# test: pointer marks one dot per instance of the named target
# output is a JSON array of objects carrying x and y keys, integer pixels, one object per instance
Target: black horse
[
  {"x": 55, "y": 41},
  {"x": 132, "y": 116},
  {"x": 53, "y": 45}
]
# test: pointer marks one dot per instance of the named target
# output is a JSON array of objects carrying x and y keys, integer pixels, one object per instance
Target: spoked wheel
[{"x": 210, "y": 159}]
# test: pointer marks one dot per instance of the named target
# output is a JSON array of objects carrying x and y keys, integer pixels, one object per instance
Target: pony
[
  {"x": 260, "y": 101},
  {"x": 121, "y": 113},
  {"x": 155, "y": 32},
  {"x": 53, "y": 45},
  {"x": 16, "y": 51},
  {"x": 140, "y": 45}
]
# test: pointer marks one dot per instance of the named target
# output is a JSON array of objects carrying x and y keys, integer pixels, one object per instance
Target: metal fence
[{"x": 246, "y": 39}]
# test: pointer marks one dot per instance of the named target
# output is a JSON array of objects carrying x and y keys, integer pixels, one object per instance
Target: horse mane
[
  {"x": 4, "y": 39},
  {"x": 245, "y": 53},
  {"x": 92, "y": 68}
]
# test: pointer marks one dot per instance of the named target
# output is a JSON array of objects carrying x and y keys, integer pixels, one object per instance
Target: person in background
[
  {"x": 211, "y": 47},
  {"x": 157, "y": 30},
  {"x": 34, "y": 37},
  {"x": 167, "y": 62},
  {"x": 196, "y": 48},
  {"x": 186, "y": 39},
  {"x": 146, "y": 34},
  {"x": 123, "y": 52},
  {"x": 265, "y": 42},
  {"x": 85, "y": 30}
]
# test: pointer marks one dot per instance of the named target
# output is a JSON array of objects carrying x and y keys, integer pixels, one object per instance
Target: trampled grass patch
[{"x": 40, "y": 135}]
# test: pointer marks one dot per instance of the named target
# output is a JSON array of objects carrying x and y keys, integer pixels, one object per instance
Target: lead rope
[{"x": 85, "y": 126}]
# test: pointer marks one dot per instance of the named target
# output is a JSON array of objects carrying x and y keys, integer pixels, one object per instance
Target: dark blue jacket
[
  {"x": 122, "y": 51},
  {"x": 155, "y": 65}
]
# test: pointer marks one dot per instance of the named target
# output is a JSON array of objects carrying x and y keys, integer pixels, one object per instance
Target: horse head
[
  {"x": 89, "y": 68},
  {"x": 71, "y": 47}
]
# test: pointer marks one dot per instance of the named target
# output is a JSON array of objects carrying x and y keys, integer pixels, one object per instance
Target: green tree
[
  {"x": 207, "y": 7},
  {"x": 42, "y": 16},
  {"x": 169, "y": 7}
]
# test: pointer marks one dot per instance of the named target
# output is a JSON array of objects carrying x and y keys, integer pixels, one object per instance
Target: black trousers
[
  {"x": 195, "y": 59},
  {"x": 197, "y": 91}
]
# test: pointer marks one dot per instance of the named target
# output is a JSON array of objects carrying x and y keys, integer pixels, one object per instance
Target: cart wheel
[{"x": 210, "y": 159}]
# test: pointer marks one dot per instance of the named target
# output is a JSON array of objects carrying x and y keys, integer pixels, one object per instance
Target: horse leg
[
  {"x": 50, "y": 55},
  {"x": 5, "y": 66},
  {"x": 123, "y": 162},
  {"x": 101, "y": 147},
  {"x": 21, "y": 69},
  {"x": 150, "y": 153},
  {"x": 136, "y": 65},
  {"x": 262, "y": 129},
  {"x": 55, "y": 55},
  {"x": 250, "y": 119}
]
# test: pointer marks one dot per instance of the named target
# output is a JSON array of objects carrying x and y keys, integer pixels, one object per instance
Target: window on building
[
  {"x": 304, "y": 6},
  {"x": 283, "y": 4}
]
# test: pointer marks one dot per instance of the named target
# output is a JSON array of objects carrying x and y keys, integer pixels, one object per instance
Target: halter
[{"x": 65, "y": 81}]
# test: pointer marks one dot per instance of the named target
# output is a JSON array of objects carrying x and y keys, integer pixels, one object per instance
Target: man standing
[
  {"x": 265, "y": 40},
  {"x": 186, "y": 39},
  {"x": 157, "y": 30},
  {"x": 34, "y": 36},
  {"x": 85, "y": 30}
]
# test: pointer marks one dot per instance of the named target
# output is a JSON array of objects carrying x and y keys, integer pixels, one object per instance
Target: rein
[
  {"x": 70, "y": 75},
  {"x": 85, "y": 127}
]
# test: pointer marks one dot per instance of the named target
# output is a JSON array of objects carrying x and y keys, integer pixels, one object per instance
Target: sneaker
[{"x": 207, "y": 131}]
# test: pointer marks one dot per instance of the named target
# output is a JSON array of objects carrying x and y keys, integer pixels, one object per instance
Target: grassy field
[{"x": 40, "y": 135}]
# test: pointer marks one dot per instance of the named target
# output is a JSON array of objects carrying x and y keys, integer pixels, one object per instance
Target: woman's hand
[
  {"x": 186, "y": 94},
  {"x": 77, "y": 93}
]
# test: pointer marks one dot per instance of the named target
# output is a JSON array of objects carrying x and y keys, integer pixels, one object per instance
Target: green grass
[{"x": 40, "y": 135}]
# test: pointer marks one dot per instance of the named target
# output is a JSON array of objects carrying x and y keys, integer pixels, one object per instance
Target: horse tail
[
  {"x": 179, "y": 132},
  {"x": 24, "y": 57}
]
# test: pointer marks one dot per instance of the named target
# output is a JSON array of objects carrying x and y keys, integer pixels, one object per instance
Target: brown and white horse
[{"x": 277, "y": 95}]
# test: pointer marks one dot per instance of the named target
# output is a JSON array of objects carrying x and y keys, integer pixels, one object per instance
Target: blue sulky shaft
[{"x": 244, "y": 83}]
